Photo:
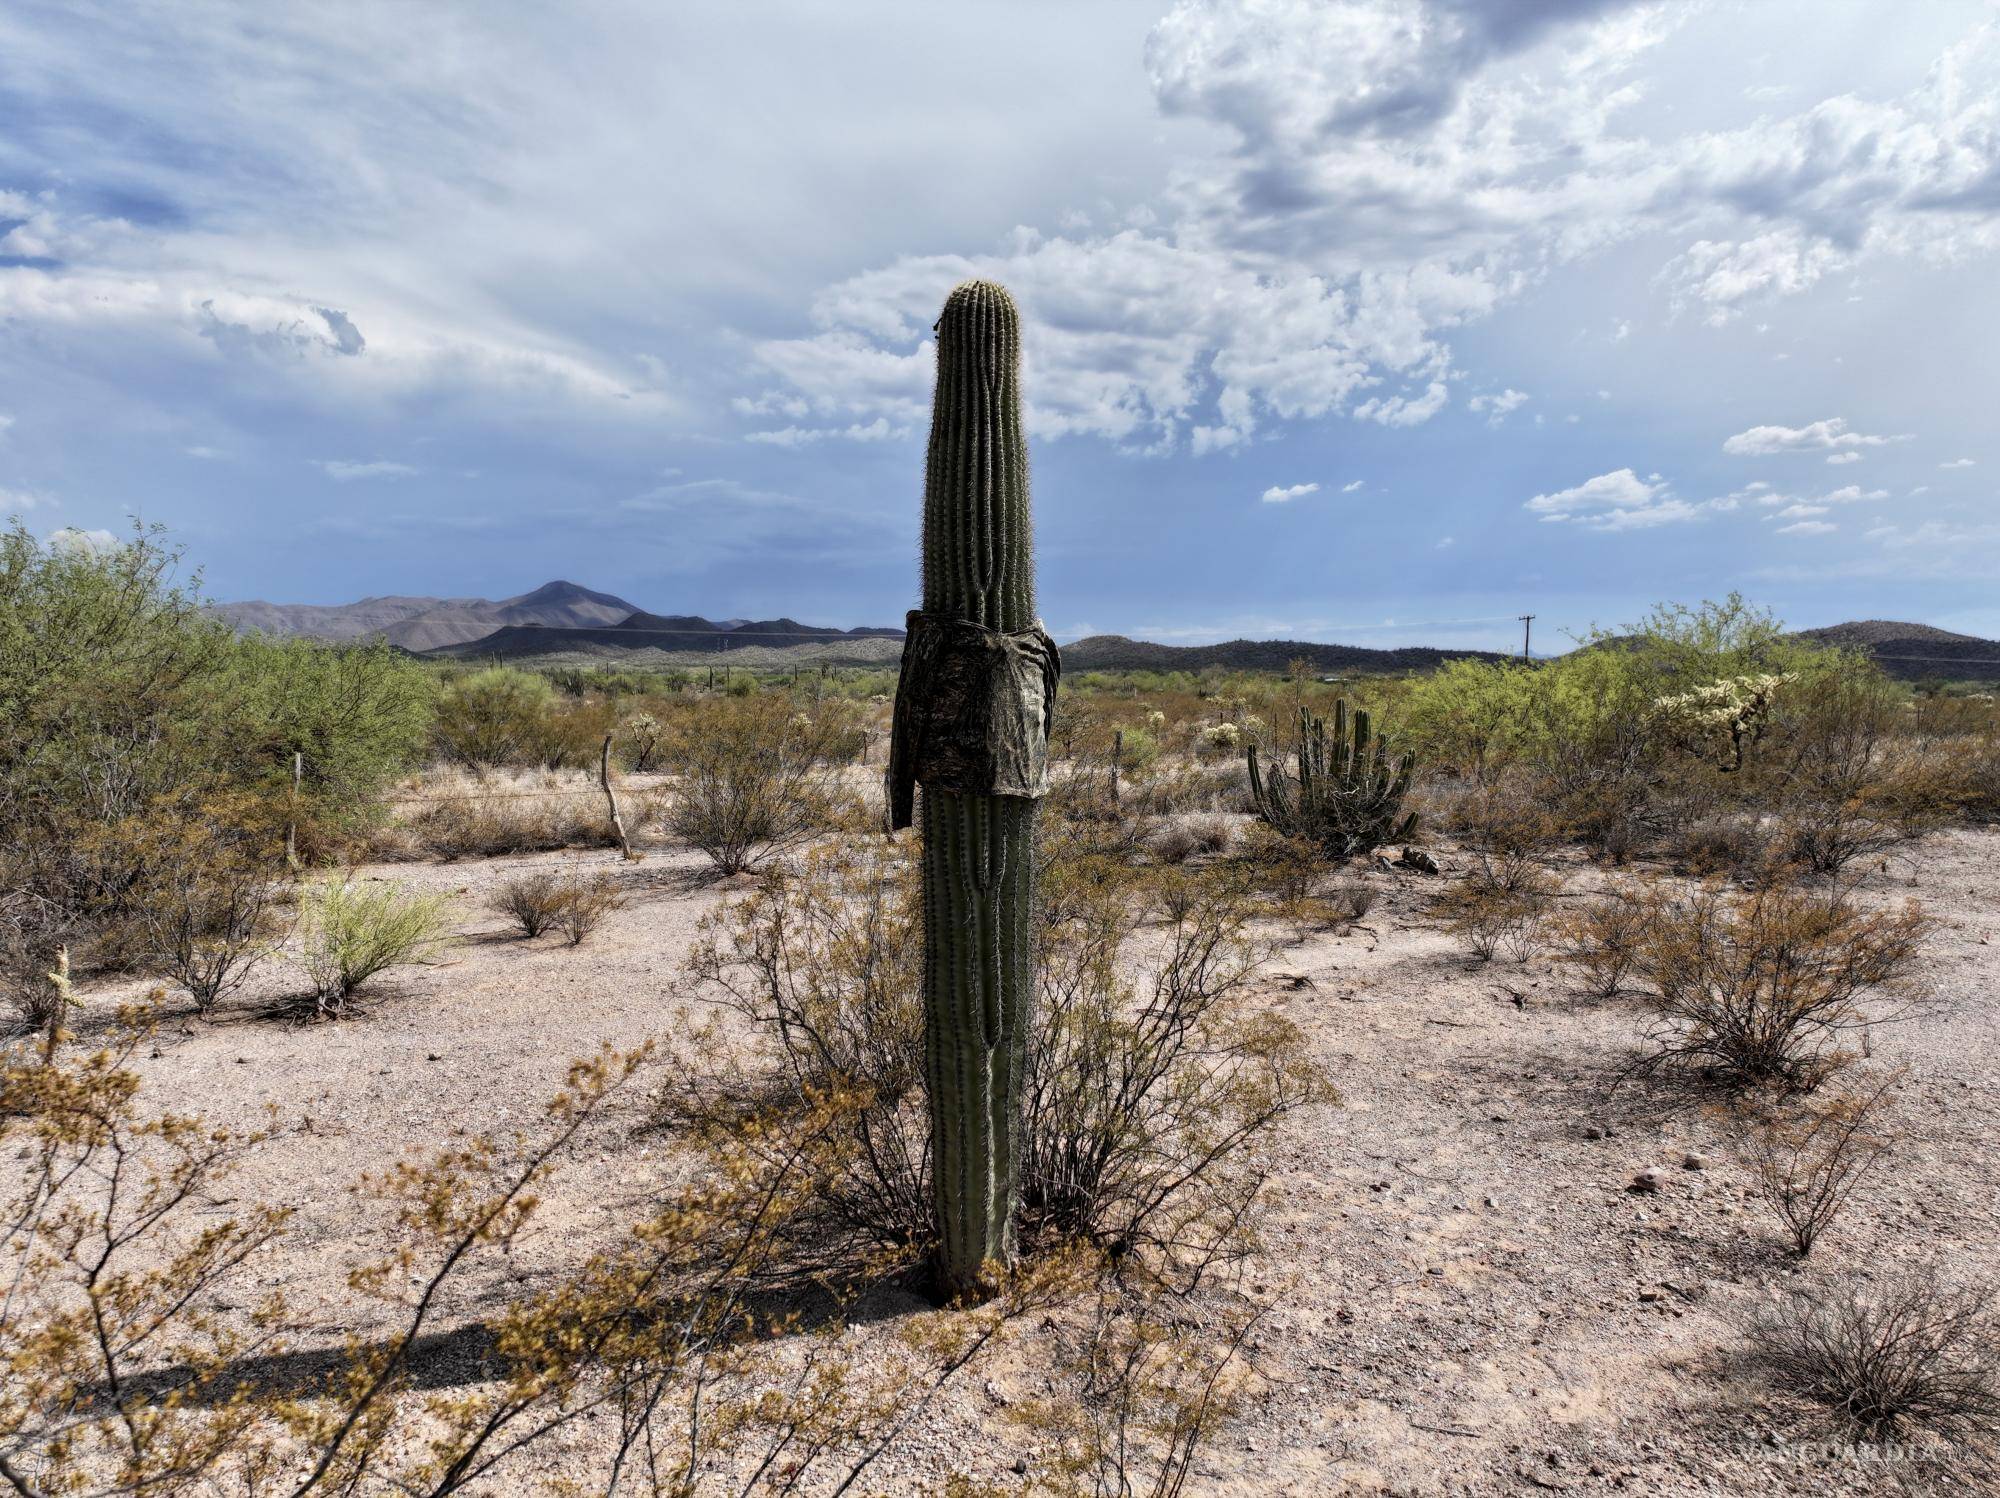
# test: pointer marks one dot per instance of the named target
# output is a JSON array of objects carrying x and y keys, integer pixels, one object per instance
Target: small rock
[
  {"x": 1020, "y": 1464},
  {"x": 1492, "y": 1201},
  {"x": 1648, "y": 1180},
  {"x": 1650, "y": 1294},
  {"x": 1695, "y": 1162}
]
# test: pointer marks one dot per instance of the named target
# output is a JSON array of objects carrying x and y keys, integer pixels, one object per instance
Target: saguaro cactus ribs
[{"x": 971, "y": 726}]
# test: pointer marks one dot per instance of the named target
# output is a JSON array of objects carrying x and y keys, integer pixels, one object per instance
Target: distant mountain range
[
  {"x": 681, "y": 634},
  {"x": 421, "y": 624},
  {"x": 563, "y": 621}
]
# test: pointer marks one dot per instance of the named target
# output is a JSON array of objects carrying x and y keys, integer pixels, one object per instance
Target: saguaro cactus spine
[{"x": 979, "y": 868}]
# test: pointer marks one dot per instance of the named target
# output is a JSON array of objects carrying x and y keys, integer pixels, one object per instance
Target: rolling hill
[
  {"x": 1914, "y": 651},
  {"x": 421, "y": 624},
  {"x": 1117, "y": 653}
]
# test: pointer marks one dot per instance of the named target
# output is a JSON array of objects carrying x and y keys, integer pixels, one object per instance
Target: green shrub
[
  {"x": 132, "y": 713},
  {"x": 352, "y": 932},
  {"x": 754, "y": 778},
  {"x": 116, "y": 694},
  {"x": 357, "y": 715},
  {"x": 494, "y": 716}
]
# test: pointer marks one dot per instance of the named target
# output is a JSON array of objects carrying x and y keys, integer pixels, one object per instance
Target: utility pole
[{"x": 1527, "y": 627}]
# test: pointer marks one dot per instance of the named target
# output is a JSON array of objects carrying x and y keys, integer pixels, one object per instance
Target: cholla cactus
[
  {"x": 1219, "y": 738},
  {"x": 642, "y": 732},
  {"x": 1719, "y": 721},
  {"x": 1156, "y": 720}
]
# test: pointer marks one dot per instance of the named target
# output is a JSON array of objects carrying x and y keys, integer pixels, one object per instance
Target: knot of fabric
[{"x": 972, "y": 712}]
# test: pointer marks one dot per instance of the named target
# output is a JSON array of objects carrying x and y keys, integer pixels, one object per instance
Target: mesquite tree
[{"x": 972, "y": 712}]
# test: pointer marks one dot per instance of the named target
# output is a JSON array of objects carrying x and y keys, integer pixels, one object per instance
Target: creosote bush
[
  {"x": 1499, "y": 904},
  {"x": 531, "y": 901},
  {"x": 209, "y": 907},
  {"x": 1145, "y": 1097},
  {"x": 350, "y": 932},
  {"x": 1764, "y": 986},
  {"x": 1898, "y": 1360},
  {"x": 1288, "y": 867},
  {"x": 1721, "y": 844},
  {"x": 1809, "y": 1161},
  {"x": 1601, "y": 940},
  {"x": 584, "y": 904},
  {"x": 756, "y": 778}
]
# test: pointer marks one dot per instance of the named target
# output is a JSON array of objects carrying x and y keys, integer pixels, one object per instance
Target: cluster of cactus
[
  {"x": 978, "y": 850},
  {"x": 1347, "y": 796}
]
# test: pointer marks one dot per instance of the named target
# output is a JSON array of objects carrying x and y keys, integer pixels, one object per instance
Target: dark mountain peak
[
  {"x": 563, "y": 591},
  {"x": 679, "y": 624}
]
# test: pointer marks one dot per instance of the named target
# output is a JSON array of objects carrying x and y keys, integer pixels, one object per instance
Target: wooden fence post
[
  {"x": 611, "y": 801},
  {"x": 292, "y": 826}
]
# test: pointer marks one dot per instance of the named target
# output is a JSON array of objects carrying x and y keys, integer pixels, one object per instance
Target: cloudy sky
[{"x": 1374, "y": 320}]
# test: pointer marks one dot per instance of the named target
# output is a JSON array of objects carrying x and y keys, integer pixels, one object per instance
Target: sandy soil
[{"x": 1465, "y": 1297}]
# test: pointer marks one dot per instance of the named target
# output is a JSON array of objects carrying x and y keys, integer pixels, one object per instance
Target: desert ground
[{"x": 1465, "y": 1291}]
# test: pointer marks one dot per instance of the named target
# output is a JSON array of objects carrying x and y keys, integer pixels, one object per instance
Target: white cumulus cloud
[
  {"x": 1834, "y": 433},
  {"x": 1277, "y": 496},
  {"x": 1617, "y": 501}
]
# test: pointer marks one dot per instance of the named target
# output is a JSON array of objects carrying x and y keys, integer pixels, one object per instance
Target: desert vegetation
[{"x": 1673, "y": 953}]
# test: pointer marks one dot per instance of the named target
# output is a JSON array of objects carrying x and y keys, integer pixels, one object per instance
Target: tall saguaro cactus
[{"x": 971, "y": 727}]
